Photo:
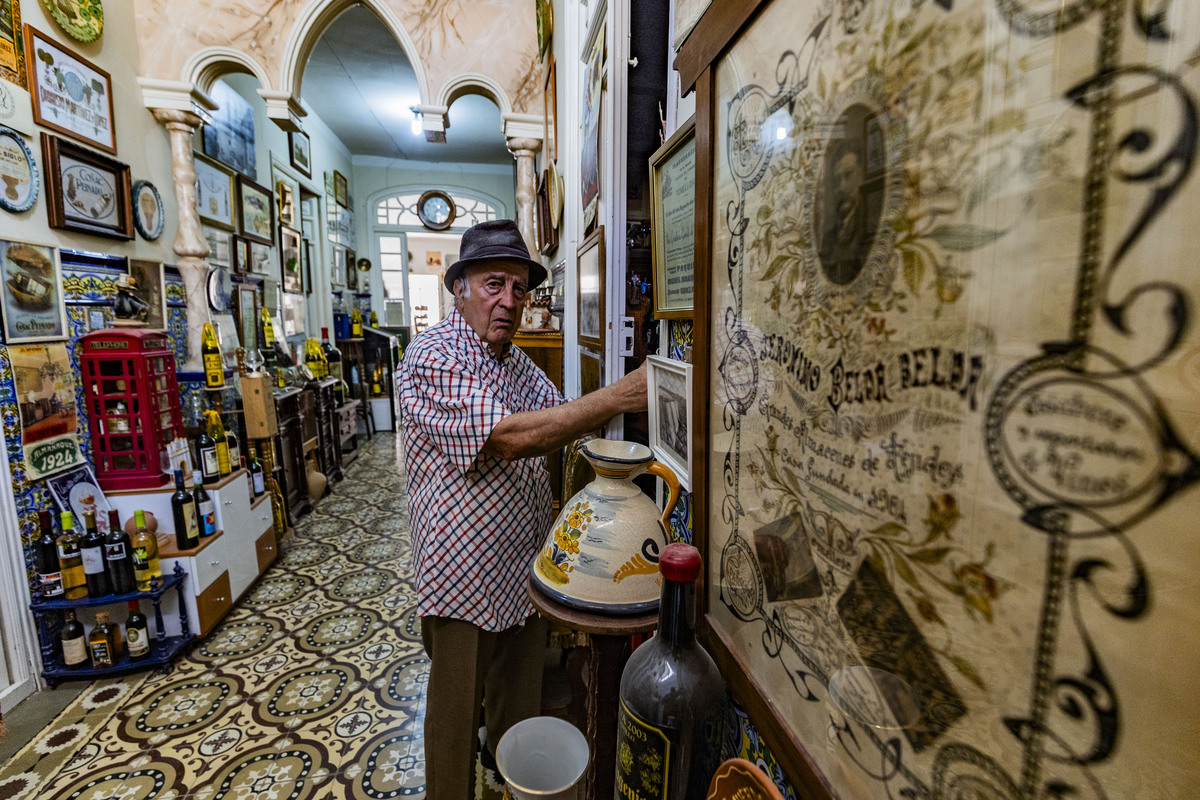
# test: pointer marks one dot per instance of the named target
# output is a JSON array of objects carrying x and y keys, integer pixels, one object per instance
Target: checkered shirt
[{"x": 477, "y": 520}]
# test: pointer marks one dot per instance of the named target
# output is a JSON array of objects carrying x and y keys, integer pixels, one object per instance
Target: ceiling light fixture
[{"x": 416, "y": 121}]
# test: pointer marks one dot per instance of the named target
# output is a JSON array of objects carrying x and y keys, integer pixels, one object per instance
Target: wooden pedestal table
[{"x": 609, "y": 634}]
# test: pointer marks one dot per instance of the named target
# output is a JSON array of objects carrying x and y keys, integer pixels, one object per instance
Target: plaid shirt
[{"x": 477, "y": 520}]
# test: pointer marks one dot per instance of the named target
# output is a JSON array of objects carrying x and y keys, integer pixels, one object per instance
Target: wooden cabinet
[
  {"x": 348, "y": 431},
  {"x": 290, "y": 471},
  {"x": 329, "y": 451},
  {"x": 213, "y": 603},
  {"x": 266, "y": 550},
  {"x": 232, "y": 502},
  {"x": 207, "y": 568},
  {"x": 546, "y": 350}
]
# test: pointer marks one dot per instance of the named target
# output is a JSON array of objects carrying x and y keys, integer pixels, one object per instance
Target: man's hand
[{"x": 632, "y": 389}]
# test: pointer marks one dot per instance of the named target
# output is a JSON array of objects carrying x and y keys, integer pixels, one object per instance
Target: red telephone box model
[{"x": 133, "y": 405}]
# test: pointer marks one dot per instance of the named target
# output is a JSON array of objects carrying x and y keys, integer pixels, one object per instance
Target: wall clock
[{"x": 436, "y": 210}]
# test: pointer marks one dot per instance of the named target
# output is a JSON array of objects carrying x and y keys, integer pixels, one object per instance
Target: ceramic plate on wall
[
  {"x": 220, "y": 294},
  {"x": 18, "y": 172},
  {"x": 147, "y": 210},
  {"x": 83, "y": 20}
]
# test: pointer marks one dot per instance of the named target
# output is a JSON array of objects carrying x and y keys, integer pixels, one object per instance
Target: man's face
[
  {"x": 493, "y": 306},
  {"x": 848, "y": 176}
]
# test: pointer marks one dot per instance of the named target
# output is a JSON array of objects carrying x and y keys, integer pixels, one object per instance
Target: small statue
[{"x": 128, "y": 308}]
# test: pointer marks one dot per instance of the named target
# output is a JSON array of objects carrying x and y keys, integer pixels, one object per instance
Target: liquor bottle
[
  {"x": 356, "y": 324},
  {"x": 671, "y": 696},
  {"x": 333, "y": 356},
  {"x": 257, "y": 486},
  {"x": 231, "y": 441},
  {"x": 137, "y": 632},
  {"x": 91, "y": 548},
  {"x": 372, "y": 319},
  {"x": 278, "y": 505},
  {"x": 217, "y": 431},
  {"x": 183, "y": 509},
  {"x": 145, "y": 553},
  {"x": 312, "y": 358},
  {"x": 214, "y": 365},
  {"x": 118, "y": 556},
  {"x": 74, "y": 643},
  {"x": 100, "y": 643},
  {"x": 49, "y": 572},
  {"x": 206, "y": 510},
  {"x": 70, "y": 560},
  {"x": 267, "y": 351},
  {"x": 210, "y": 468}
]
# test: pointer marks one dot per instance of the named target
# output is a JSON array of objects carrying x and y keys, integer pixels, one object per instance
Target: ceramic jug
[{"x": 602, "y": 552}]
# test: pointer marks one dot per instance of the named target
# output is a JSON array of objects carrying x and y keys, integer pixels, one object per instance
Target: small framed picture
[
  {"x": 669, "y": 386},
  {"x": 77, "y": 491},
  {"x": 262, "y": 259},
  {"x": 549, "y": 108},
  {"x": 341, "y": 189},
  {"x": 220, "y": 251},
  {"x": 591, "y": 290},
  {"x": 287, "y": 202},
  {"x": 150, "y": 285},
  {"x": 339, "y": 266},
  {"x": 256, "y": 212},
  {"x": 289, "y": 249},
  {"x": 33, "y": 304},
  {"x": 147, "y": 210},
  {"x": 241, "y": 256},
  {"x": 70, "y": 94},
  {"x": 352, "y": 270},
  {"x": 293, "y": 314},
  {"x": 300, "y": 152},
  {"x": 214, "y": 192},
  {"x": 85, "y": 191},
  {"x": 247, "y": 315}
]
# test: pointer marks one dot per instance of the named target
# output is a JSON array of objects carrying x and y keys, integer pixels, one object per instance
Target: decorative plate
[
  {"x": 83, "y": 20},
  {"x": 219, "y": 293},
  {"x": 147, "y": 210},
  {"x": 18, "y": 172},
  {"x": 436, "y": 210}
]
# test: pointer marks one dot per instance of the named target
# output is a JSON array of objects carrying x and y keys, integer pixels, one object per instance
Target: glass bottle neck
[{"x": 677, "y": 613}]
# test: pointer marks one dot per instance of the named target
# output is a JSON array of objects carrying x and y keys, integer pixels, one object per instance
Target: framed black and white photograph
[
  {"x": 300, "y": 152},
  {"x": 147, "y": 210},
  {"x": 214, "y": 193},
  {"x": 256, "y": 212},
  {"x": 289, "y": 248},
  {"x": 86, "y": 191},
  {"x": 591, "y": 290},
  {"x": 229, "y": 136},
  {"x": 669, "y": 386}
]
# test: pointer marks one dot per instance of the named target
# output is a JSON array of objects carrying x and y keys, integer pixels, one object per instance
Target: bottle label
[
  {"x": 223, "y": 458},
  {"x": 93, "y": 560},
  {"x": 68, "y": 549},
  {"x": 114, "y": 552},
  {"x": 214, "y": 370},
  {"x": 138, "y": 640},
  {"x": 643, "y": 758},
  {"x": 208, "y": 518},
  {"x": 52, "y": 585},
  {"x": 208, "y": 462},
  {"x": 258, "y": 483},
  {"x": 100, "y": 654},
  {"x": 141, "y": 559},
  {"x": 191, "y": 531},
  {"x": 74, "y": 651}
]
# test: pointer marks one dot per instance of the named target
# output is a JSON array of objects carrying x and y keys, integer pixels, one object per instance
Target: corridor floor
[{"x": 313, "y": 686}]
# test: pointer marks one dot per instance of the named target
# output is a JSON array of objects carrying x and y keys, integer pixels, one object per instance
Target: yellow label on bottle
[
  {"x": 214, "y": 370},
  {"x": 643, "y": 758}
]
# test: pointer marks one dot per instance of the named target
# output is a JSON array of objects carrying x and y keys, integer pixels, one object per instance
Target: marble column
[
  {"x": 523, "y": 150},
  {"x": 189, "y": 242}
]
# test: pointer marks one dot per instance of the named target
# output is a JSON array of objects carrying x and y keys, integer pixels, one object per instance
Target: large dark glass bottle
[
  {"x": 206, "y": 509},
  {"x": 137, "y": 632},
  {"x": 255, "y": 466},
  {"x": 333, "y": 356},
  {"x": 69, "y": 559},
  {"x": 672, "y": 697},
  {"x": 183, "y": 509},
  {"x": 74, "y": 642},
  {"x": 118, "y": 555},
  {"x": 91, "y": 548},
  {"x": 210, "y": 470},
  {"x": 49, "y": 572}
]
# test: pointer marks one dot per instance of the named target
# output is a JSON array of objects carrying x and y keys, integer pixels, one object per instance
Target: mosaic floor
[{"x": 313, "y": 686}]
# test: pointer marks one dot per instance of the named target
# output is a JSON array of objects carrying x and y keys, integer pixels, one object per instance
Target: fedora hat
[{"x": 494, "y": 240}]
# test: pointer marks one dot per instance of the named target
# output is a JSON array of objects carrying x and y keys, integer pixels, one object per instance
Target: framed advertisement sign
[
  {"x": 70, "y": 94},
  {"x": 33, "y": 292},
  {"x": 46, "y": 401},
  {"x": 945, "y": 453},
  {"x": 673, "y": 222},
  {"x": 85, "y": 191},
  {"x": 12, "y": 45}
]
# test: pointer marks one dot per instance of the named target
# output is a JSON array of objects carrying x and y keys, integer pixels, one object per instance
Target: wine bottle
[
  {"x": 217, "y": 431},
  {"x": 214, "y": 364},
  {"x": 100, "y": 643},
  {"x": 145, "y": 553},
  {"x": 118, "y": 556},
  {"x": 671, "y": 697},
  {"x": 74, "y": 642},
  {"x": 373, "y": 319},
  {"x": 256, "y": 473},
  {"x": 91, "y": 549},
  {"x": 206, "y": 510},
  {"x": 278, "y": 504},
  {"x": 183, "y": 509},
  {"x": 49, "y": 572},
  {"x": 137, "y": 632},
  {"x": 210, "y": 469},
  {"x": 70, "y": 560},
  {"x": 312, "y": 358},
  {"x": 356, "y": 324}
]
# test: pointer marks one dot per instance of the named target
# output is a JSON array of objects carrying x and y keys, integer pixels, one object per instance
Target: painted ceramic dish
[
  {"x": 83, "y": 20},
  {"x": 602, "y": 551},
  {"x": 147, "y": 210},
  {"x": 18, "y": 172}
]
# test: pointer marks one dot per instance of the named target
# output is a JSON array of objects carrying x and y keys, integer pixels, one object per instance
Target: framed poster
[
  {"x": 673, "y": 222},
  {"x": 220, "y": 246},
  {"x": 289, "y": 248},
  {"x": 12, "y": 44},
  {"x": 147, "y": 210},
  {"x": 77, "y": 491},
  {"x": 33, "y": 293},
  {"x": 932, "y": 568},
  {"x": 150, "y": 285},
  {"x": 70, "y": 94},
  {"x": 286, "y": 196},
  {"x": 669, "y": 388},
  {"x": 300, "y": 152},
  {"x": 85, "y": 191},
  {"x": 214, "y": 193},
  {"x": 590, "y": 157},
  {"x": 592, "y": 290},
  {"x": 256, "y": 212},
  {"x": 18, "y": 172},
  {"x": 341, "y": 189},
  {"x": 549, "y": 111},
  {"x": 45, "y": 387},
  {"x": 229, "y": 135}
]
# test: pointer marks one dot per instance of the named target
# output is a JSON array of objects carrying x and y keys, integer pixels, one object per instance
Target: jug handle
[{"x": 664, "y": 472}]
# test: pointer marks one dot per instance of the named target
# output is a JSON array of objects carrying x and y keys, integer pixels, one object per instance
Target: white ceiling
[{"x": 361, "y": 84}]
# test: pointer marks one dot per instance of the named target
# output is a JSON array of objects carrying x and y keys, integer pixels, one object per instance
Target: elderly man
[{"x": 478, "y": 416}]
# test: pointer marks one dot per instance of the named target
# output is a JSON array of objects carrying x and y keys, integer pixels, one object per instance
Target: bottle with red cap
[{"x": 672, "y": 697}]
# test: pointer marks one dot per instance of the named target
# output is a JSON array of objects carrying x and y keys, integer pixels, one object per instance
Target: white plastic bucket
[{"x": 542, "y": 758}]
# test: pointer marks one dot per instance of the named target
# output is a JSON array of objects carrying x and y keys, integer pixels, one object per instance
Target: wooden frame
[
  {"x": 12, "y": 51},
  {"x": 547, "y": 230},
  {"x": 593, "y": 291},
  {"x": 673, "y": 222},
  {"x": 256, "y": 211},
  {"x": 550, "y": 111},
  {"x": 55, "y": 75},
  {"x": 285, "y": 195},
  {"x": 341, "y": 189},
  {"x": 214, "y": 193},
  {"x": 670, "y": 403},
  {"x": 34, "y": 307},
  {"x": 150, "y": 284},
  {"x": 104, "y": 209},
  {"x": 289, "y": 256},
  {"x": 589, "y": 163},
  {"x": 300, "y": 152},
  {"x": 220, "y": 246},
  {"x": 246, "y": 307}
]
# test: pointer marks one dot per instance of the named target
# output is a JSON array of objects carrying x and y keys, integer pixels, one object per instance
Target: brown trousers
[{"x": 471, "y": 666}]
